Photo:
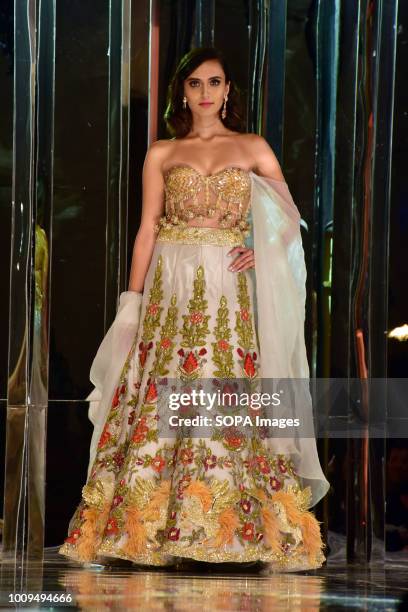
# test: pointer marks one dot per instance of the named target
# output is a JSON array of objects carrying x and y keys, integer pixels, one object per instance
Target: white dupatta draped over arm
[
  {"x": 108, "y": 364},
  {"x": 280, "y": 295}
]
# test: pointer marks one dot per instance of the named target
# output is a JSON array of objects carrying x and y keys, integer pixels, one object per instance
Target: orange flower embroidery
[
  {"x": 115, "y": 400},
  {"x": 233, "y": 441},
  {"x": 140, "y": 432},
  {"x": 248, "y": 531},
  {"x": 186, "y": 456},
  {"x": 249, "y": 366},
  {"x": 244, "y": 314},
  {"x": 73, "y": 536},
  {"x": 105, "y": 436},
  {"x": 151, "y": 393},
  {"x": 190, "y": 363},
  {"x": 196, "y": 317},
  {"x": 153, "y": 308},
  {"x": 223, "y": 345},
  {"x": 143, "y": 351},
  {"x": 158, "y": 463},
  {"x": 263, "y": 465},
  {"x": 112, "y": 527},
  {"x": 118, "y": 392}
]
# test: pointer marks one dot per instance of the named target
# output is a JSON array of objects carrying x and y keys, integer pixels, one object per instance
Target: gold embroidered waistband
[{"x": 202, "y": 235}]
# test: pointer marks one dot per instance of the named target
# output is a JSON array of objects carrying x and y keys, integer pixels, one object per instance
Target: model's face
[{"x": 205, "y": 88}]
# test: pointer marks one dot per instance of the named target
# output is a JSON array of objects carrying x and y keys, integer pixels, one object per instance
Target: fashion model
[{"x": 216, "y": 295}]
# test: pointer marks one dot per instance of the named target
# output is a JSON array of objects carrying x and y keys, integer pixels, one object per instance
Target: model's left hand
[{"x": 244, "y": 261}]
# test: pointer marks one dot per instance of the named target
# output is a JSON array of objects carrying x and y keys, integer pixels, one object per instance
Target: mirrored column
[{"x": 24, "y": 495}]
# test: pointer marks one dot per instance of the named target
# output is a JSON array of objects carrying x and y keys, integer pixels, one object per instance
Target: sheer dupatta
[
  {"x": 108, "y": 364},
  {"x": 280, "y": 277}
]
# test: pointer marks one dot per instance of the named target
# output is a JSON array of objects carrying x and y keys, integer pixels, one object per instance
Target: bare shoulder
[
  {"x": 156, "y": 155},
  {"x": 158, "y": 150},
  {"x": 266, "y": 162},
  {"x": 258, "y": 145}
]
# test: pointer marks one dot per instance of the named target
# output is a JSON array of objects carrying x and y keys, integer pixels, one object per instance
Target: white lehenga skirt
[{"x": 220, "y": 498}]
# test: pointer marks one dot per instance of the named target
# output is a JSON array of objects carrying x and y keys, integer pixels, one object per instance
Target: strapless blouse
[{"x": 191, "y": 198}]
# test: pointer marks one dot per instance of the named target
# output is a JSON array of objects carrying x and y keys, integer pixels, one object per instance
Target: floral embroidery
[
  {"x": 195, "y": 327},
  {"x": 174, "y": 534},
  {"x": 228, "y": 497},
  {"x": 194, "y": 332},
  {"x": 245, "y": 331},
  {"x": 190, "y": 364},
  {"x": 246, "y": 506},
  {"x": 73, "y": 536},
  {"x": 112, "y": 527},
  {"x": 145, "y": 513},
  {"x": 143, "y": 352},
  {"x": 164, "y": 347},
  {"x": 275, "y": 483},
  {"x": 105, "y": 437},
  {"x": 152, "y": 316},
  {"x": 243, "y": 325},
  {"x": 248, "y": 531},
  {"x": 186, "y": 456},
  {"x": 211, "y": 508},
  {"x": 233, "y": 441},
  {"x": 210, "y": 462},
  {"x": 158, "y": 463},
  {"x": 222, "y": 349},
  {"x": 139, "y": 434},
  {"x": 151, "y": 392}
]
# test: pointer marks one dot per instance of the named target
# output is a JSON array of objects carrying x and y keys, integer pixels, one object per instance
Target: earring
[
  {"x": 224, "y": 108},
  {"x": 184, "y": 102}
]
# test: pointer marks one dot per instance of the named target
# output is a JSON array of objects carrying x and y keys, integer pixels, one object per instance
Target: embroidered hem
[
  {"x": 170, "y": 554},
  {"x": 151, "y": 557}
]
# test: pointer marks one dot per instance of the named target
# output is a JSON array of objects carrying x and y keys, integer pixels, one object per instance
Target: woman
[{"x": 216, "y": 301}]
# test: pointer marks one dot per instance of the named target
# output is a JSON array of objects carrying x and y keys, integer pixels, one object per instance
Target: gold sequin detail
[
  {"x": 95, "y": 494},
  {"x": 192, "y": 195},
  {"x": 296, "y": 561},
  {"x": 171, "y": 552},
  {"x": 149, "y": 557},
  {"x": 202, "y": 235}
]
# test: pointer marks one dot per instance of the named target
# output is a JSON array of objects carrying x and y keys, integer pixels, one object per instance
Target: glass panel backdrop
[{"x": 320, "y": 81}]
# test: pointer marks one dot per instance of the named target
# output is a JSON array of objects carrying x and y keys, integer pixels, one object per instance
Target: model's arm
[
  {"x": 152, "y": 210},
  {"x": 266, "y": 164},
  {"x": 265, "y": 159}
]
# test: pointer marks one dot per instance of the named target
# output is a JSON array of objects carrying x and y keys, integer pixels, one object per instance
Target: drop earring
[
  {"x": 224, "y": 108},
  {"x": 184, "y": 102}
]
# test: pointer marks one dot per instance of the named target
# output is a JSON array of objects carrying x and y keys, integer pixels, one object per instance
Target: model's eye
[
  {"x": 194, "y": 83},
  {"x": 215, "y": 82}
]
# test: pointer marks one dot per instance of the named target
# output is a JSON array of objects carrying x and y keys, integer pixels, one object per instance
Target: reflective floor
[{"x": 203, "y": 587}]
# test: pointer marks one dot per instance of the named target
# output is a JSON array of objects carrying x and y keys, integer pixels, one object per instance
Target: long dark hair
[{"x": 179, "y": 120}]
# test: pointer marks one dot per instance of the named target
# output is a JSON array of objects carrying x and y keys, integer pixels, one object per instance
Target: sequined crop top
[{"x": 219, "y": 200}]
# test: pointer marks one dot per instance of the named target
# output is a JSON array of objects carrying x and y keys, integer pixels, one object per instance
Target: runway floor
[{"x": 203, "y": 587}]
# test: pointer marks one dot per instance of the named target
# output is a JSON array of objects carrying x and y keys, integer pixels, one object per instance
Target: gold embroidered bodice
[{"x": 219, "y": 200}]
